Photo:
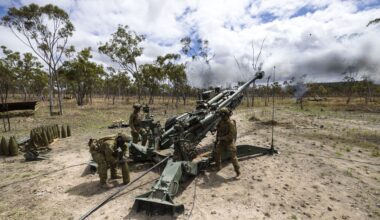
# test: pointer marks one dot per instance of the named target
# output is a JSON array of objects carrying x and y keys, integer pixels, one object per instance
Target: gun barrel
[
  {"x": 212, "y": 117},
  {"x": 258, "y": 75},
  {"x": 216, "y": 98}
]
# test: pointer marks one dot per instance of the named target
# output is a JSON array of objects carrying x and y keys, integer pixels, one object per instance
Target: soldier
[
  {"x": 225, "y": 140},
  {"x": 108, "y": 153},
  {"x": 135, "y": 125}
]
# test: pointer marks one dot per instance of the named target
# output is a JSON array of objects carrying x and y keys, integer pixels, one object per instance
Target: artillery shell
[
  {"x": 68, "y": 131},
  {"x": 13, "y": 147},
  {"x": 63, "y": 132},
  {"x": 58, "y": 132},
  {"x": 4, "y": 146},
  {"x": 45, "y": 140}
]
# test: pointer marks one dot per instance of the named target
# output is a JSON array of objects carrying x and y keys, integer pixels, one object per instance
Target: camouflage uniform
[
  {"x": 104, "y": 153},
  {"x": 135, "y": 125},
  {"x": 226, "y": 137}
]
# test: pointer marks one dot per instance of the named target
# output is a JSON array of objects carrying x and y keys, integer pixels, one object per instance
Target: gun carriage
[{"x": 179, "y": 139}]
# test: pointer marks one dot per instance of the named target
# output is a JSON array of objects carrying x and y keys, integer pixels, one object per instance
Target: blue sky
[{"x": 298, "y": 34}]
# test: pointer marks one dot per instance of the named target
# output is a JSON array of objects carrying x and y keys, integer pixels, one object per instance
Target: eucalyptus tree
[
  {"x": 46, "y": 30},
  {"x": 29, "y": 71},
  {"x": 123, "y": 48},
  {"x": 8, "y": 67},
  {"x": 123, "y": 83},
  {"x": 349, "y": 78},
  {"x": 39, "y": 83},
  {"x": 176, "y": 74},
  {"x": 81, "y": 74},
  {"x": 152, "y": 76},
  {"x": 197, "y": 49}
]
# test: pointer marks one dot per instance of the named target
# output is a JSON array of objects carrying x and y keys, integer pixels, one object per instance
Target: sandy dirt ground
[{"x": 317, "y": 175}]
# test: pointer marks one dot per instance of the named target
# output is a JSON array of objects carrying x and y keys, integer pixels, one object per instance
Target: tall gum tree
[
  {"x": 8, "y": 67},
  {"x": 176, "y": 75},
  {"x": 46, "y": 30},
  {"x": 123, "y": 48},
  {"x": 28, "y": 72},
  {"x": 82, "y": 74}
]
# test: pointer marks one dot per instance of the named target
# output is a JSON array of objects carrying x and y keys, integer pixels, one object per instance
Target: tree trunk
[
  {"x": 91, "y": 97},
  {"x": 59, "y": 99},
  {"x": 4, "y": 98},
  {"x": 25, "y": 93},
  {"x": 51, "y": 89},
  {"x": 253, "y": 100}
]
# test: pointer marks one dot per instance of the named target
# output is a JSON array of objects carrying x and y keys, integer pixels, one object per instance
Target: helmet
[
  {"x": 136, "y": 106},
  {"x": 225, "y": 111},
  {"x": 91, "y": 141},
  {"x": 123, "y": 137}
]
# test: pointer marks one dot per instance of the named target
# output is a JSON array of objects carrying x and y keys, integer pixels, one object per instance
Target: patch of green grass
[
  {"x": 375, "y": 153},
  {"x": 348, "y": 172},
  {"x": 26, "y": 175},
  {"x": 293, "y": 217}
]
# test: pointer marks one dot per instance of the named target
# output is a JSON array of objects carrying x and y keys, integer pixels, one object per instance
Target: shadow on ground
[{"x": 89, "y": 189}]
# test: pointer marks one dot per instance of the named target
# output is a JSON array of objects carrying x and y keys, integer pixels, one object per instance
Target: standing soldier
[
  {"x": 135, "y": 125},
  {"x": 108, "y": 152},
  {"x": 225, "y": 140}
]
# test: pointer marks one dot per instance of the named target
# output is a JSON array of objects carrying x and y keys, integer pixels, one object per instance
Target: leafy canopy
[
  {"x": 123, "y": 48},
  {"x": 45, "y": 29}
]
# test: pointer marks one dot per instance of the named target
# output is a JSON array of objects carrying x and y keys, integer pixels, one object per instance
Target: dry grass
[
  {"x": 90, "y": 117},
  {"x": 102, "y": 112}
]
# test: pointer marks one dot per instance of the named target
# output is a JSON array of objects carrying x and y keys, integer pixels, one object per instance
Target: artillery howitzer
[{"x": 179, "y": 139}]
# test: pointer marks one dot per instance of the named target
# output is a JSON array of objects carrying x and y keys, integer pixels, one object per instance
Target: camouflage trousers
[
  {"x": 125, "y": 172},
  {"x": 223, "y": 146},
  {"x": 135, "y": 136},
  {"x": 103, "y": 165}
]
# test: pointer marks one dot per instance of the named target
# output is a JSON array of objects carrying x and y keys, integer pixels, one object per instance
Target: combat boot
[
  {"x": 237, "y": 174},
  {"x": 105, "y": 186},
  {"x": 115, "y": 176}
]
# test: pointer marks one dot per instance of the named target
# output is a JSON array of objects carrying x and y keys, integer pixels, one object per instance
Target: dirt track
[{"x": 313, "y": 177}]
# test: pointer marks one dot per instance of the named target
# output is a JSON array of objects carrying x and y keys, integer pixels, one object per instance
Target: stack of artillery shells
[
  {"x": 4, "y": 148},
  {"x": 44, "y": 135},
  {"x": 13, "y": 147},
  {"x": 68, "y": 131},
  {"x": 63, "y": 132}
]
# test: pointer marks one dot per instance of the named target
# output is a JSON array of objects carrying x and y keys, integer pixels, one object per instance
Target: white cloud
[{"x": 325, "y": 34}]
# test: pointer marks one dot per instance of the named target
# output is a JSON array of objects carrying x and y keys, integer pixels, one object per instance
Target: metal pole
[{"x": 272, "y": 144}]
